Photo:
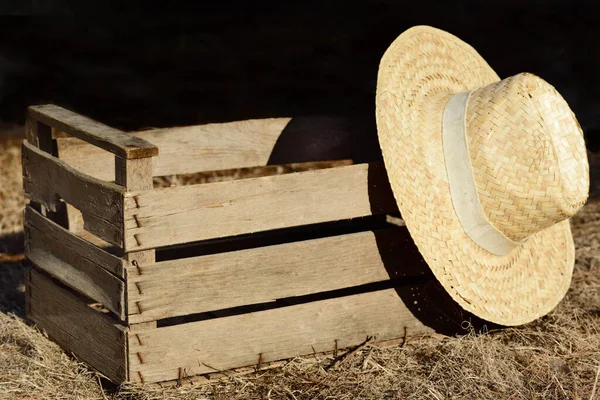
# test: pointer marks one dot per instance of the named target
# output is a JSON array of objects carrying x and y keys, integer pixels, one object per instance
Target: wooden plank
[
  {"x": 91, "y": 335},
  {"x": 242, "y": 340},
  {"x": 110, "y": 139},
  {"x": 86, "y": 158},
  {"x": 214, "y": 147},
  {"x": 185, "y": 150},
  {"x": 75, "y": 224},
  {"x": 162, "y": 217},
  {"x": 95, "y": 254},
  {"x": 40, "y": 136},
  {"x": 75, "y": 219},
  {"x": 265, "y": 274},
  {"x": 47, "y": 179},
  {"x": 135, "y": 174},
  {"x": 75, "y": 262}
]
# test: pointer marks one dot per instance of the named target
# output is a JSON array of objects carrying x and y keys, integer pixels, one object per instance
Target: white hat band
[{"x": 462, "y": 184}]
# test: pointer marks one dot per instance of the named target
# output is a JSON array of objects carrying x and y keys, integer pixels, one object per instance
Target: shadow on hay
[
  {"x": 12, "y": 274},
  {"x": 427, "y": 300}
]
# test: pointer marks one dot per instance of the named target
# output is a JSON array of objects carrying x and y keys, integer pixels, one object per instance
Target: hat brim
[{"x": 418, "y": 73}]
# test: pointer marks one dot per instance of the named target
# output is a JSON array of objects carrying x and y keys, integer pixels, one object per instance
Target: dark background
[{"x": 182, "y": 65}]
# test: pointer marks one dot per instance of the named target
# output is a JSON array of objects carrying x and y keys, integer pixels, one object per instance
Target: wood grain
[
  {"x": 222, "y": 343},
  {"x": 47, "y": 179},
  {"x": 79, "y": 245},
  {"x": 86, "y": 158},
  {"x": 75, "y": 262},
  {"x": 92, "y": 336},
  {"x": 135, "y": 174},
  {"x": 168, "y": 216},
  {"x": 185, "y": 150},
  {"x": 265, "y": 274},
  {"x": 110, "y": 139},
  {"x": 38, "y": 135}
]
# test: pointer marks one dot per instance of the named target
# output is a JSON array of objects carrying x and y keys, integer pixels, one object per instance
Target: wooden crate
[{"x": 153, "y": 284}]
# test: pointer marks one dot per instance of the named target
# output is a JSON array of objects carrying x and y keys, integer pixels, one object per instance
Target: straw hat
[{"x": 486, "y": 173}]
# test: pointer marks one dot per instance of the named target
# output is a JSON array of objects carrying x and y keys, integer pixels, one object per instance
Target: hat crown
[{"x": 528, "y": 155}]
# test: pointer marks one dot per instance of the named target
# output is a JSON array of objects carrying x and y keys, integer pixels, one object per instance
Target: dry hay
[
  {"x": 32, "y": 367},
  {"x": 556, "y": 357},
  {"x": 11, "y": 200}
]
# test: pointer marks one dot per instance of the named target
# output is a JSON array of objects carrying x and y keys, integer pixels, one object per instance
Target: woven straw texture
[
  {"x": 530, "y": 169},
  {"x": 542, "y": 179}
]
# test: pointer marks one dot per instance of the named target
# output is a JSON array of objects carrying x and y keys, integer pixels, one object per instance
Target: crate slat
[
  {"x": 75, "y": 262},
  {"x": 76, "y": 327},
  {"x": 186, "y": 150},
  {"x": 219, "y": 344},
  {"x": 265, "y": 274},
  {"x": 46, "y": 179},
  {"x": 85, "y": 249},
  {"x": 110, "y": 139},
  {"x": 168, "y": 216}
]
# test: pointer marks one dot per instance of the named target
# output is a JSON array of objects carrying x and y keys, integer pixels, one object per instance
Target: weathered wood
[
  {"x": 47, "y": 179},
  {"x": 75, "y": 262},
  {"x": 75, "y": 224},
  {"x": 38, "y": 135},
  {"x": 185, "y": 150},
  {"x": 265, "y": 274},
  {"x": 242, "y": 340},
  {"x": 135, "y": 174},
  {"x": 75, "y": 219},
  {"x": 79, "y": 245},
  {"x": 144, "y": 326},
  {"x": 87, "y": 158},
  {"x": 162, "y": 217},
  {"x": 110, "y": 139},
  {"x": 215, "y": 146},
  {"x": 94, "y": 337}
]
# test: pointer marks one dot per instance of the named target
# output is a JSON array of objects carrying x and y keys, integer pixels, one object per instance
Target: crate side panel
[
  {"x": 92, "y": 336},
  {"x": 162, "y": 217},
  {"x": 74, "y": 261},
  {"x": 265, "y": 274},
  {"x": 47, "y": 179},
  {"x": 223, "y": 343}
]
